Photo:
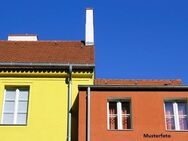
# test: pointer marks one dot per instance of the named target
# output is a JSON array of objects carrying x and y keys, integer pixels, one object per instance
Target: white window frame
[
  {"x": 15, "y": 112},
  {"x": 176, "y": 115},
  {"x": 119, "y": 113}
]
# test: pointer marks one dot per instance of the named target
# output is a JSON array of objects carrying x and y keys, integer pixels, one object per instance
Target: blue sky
[{"x": 137, "y": 39}]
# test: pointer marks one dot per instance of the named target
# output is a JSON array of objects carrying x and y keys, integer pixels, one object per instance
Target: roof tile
[
  {"x": 73, "y": 52},
  {"x": 137, "y": 82}
]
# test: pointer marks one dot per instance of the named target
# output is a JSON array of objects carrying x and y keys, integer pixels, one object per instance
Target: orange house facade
[{"x": 129, "y": 110}]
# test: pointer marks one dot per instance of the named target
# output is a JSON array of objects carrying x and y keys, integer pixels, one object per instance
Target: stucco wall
[
  {"x": 147, "y": 116},
  {"x": 47, "y": 109}
]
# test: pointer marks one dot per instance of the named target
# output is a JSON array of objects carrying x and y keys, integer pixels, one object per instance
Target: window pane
[
  {"x": 23, "y": 94},
  {"x": 22, "y": 107},
  {"x": 113, "y": 122},
  {"x": 8, "y": 118},
  {"x": 21, "y": 118},
  {"x": 183, "y": 123},
  {"x": 125, "y": 108},
  {"x": 126, "y": 122},
  {"x": 170, "y": 125},
  {"x": 182, "y": 108},
  {"x": 113, "y": 115},
  {"x": 169, "y": 113},
  {"x": 112, "y": 108},
  {"x": 169, "y": 109},
  {"x": 9, "y": 107},
  {"x": 182, "y": 112},
  {"x": 10, "y": 94}
]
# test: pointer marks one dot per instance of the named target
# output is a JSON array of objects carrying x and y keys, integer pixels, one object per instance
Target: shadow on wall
[{"x": 74, "y": 129}]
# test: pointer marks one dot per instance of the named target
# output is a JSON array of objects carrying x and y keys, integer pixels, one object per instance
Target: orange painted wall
[{"x": 147, "y": 116}]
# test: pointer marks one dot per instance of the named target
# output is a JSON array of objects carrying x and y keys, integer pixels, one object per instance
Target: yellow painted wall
[{"x": 47, "y": 109}]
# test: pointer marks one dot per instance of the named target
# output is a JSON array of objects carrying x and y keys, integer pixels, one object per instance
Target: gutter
[
  {"x": 69, "y": 104},
  {"x": 88, "y": 113},
  {"x": 134, "y": 88},
  {"x": 47, "y": 65},
  {"x": 70, "y": 67}
]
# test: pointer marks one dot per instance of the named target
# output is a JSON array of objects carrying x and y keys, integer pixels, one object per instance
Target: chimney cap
[
  {"x": 89, "y": 8},
  {"x": 22, "y": 37}
]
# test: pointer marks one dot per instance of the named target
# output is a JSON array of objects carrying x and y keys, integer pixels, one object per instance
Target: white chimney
[
  {"x": 89, "y": 29},
  {"x": 22, "y": 37}
]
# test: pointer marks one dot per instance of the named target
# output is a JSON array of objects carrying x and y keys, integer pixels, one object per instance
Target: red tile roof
[
  {"x": 137, "y": 82},
  {"x": 73, "y": 52}
]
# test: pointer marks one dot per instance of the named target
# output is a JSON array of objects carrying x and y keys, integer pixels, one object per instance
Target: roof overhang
[
  {"x": 132, "y": 88},
  {"x": 22, "y": 65}
]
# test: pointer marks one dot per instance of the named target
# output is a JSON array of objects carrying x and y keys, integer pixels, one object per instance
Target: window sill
[
  {"x": 177, "y": 130},
  {"x": 119, "y": 129},
  {"x": 13, "y": 124}
]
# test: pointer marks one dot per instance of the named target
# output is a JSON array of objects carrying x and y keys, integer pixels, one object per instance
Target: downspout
[
  {"x": 69, "y": 103},
  {"x": 88, "y": 113}
]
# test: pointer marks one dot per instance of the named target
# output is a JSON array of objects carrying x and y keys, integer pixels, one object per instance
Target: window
[
  {"x": 176, "y": 115},
  {"x": 119, "y": 114},
  {"x": 15, "y": 106}
]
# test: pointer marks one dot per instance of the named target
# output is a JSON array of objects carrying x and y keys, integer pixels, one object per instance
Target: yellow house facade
[
  {"x": 47, "y": 104},
  {"x": 39, "y": 85}
]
